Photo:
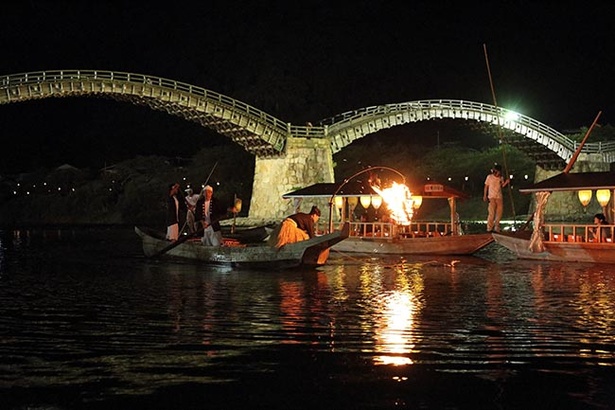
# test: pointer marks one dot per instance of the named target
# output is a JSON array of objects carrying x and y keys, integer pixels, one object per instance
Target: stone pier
[{"x": 305, "y": 161}]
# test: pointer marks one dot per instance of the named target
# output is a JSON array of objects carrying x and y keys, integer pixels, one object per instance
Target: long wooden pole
[
  {"x": 495, "y": 103},
  {"x": 580, "y": 147}
]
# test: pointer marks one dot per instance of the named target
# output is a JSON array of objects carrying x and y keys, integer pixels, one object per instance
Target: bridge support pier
[{"x": 305, "y": 161}]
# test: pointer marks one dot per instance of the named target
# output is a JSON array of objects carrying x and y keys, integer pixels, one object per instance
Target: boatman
[
  {"x": 297, "y": 227},
  {"x": 191, "y": 200},
  {"x": 208, "y": 214},
  {"x": 493, "y": 193},
  {"x": 173, "y": 204}
]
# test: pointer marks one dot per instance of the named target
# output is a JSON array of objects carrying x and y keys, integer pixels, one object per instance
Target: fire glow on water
[{"x": 398, "y": 199}]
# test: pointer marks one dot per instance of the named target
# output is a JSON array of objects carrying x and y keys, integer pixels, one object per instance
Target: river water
[{"x": 87, "y": 322}]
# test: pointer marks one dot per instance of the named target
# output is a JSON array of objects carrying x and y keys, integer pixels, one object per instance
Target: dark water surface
[{"x": 87, "y": 322}]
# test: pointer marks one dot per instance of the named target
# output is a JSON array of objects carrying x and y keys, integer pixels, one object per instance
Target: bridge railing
[
  {"x": 14, "y": 80},
  {"x": 500, "y": 116}
]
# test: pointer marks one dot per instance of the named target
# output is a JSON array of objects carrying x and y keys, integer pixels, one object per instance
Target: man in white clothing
[
  {"x": 191, "y": 200},
  {"x": 493, "y": 193}
]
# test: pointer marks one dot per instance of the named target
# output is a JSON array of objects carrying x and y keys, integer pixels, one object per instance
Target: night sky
[{"x": 299, "y": 61}]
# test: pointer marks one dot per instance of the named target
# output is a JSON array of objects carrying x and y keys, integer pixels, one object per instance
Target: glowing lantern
[
  {"x": 237, "y": 206},
  {"x": 603, "y": 196},
  {"x": 339, "y": 202},
  {"x": 376, "y": 201},
  {"x": 365, "y": 201},
  {"x": 352, "y": 204},
  {"x": 417, "y": 201},
  {"x": 585, "y": 196}
]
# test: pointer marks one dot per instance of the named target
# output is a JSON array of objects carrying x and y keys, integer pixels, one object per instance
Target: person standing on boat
[
  {"x": 172, "y": 215},
  {"x": 191, "y": 200},
  {"x": 493, "y": 193},
  {"x": 208, "y": 213},
  {"x": 297, "y": 227}
]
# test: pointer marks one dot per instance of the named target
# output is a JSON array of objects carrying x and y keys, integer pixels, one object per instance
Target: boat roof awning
[
  {"x": 326, "y": 190},
  {"x": 574, "y": 182}
]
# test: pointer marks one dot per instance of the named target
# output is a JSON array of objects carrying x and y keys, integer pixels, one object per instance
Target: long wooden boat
[
  {"x": 429, "y": 238},
  {"x": 419, "y": 238},
  {"x": 248, "y": 235},
  {"x": 312, "y": 252},
  {"x": 564, "y": 242},
  {"x": 564, "y": 248}
]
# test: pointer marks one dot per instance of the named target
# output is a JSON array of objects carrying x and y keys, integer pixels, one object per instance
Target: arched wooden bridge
[{"x": 264, "y": 135}]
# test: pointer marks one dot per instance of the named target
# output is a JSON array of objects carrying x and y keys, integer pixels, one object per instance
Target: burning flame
[{"x": 398, "y": 199}]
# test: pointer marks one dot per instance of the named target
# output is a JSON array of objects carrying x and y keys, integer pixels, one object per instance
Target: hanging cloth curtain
[{"x": 536, "y": 242}]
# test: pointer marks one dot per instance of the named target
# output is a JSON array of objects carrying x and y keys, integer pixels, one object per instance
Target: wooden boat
[
  {"x": 564, "y": 242},
  {"x": 425, "y": 237},
  {"x": 248, "y": 235},
  {"x": 312, "y": 252},
  {"x": 429, "y": 238}
]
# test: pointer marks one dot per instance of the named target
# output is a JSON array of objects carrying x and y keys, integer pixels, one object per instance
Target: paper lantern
[
  {"x": 339, "y": 202},
  {"x": 376, "y": 201},
  {"x": 417, "y": 201},
  {"x": 585, "y": 196},
  {"x": 365, "y": 201},
  {"x": 603, "y": 196}
]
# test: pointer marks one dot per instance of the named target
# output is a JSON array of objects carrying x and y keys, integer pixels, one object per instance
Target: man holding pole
[
  {"x": 493, "y": 193},
  {"x": 208, "y": 213}
]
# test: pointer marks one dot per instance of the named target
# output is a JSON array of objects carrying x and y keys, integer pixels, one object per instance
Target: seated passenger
[
  {"x": 296, "y": 227},
  {"x": 599, "y": 234}
]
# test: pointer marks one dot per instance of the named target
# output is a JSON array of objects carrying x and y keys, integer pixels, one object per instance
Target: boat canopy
[
  {"x": 574, "y": 182},
  {"x": 358, "y": 188}
]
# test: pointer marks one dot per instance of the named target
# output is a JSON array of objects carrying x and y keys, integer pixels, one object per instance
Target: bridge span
[{"x": 290, "y": 156}]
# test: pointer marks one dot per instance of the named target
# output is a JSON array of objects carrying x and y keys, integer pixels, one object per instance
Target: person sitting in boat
[
  {"x": 598, "y": 234},
  {"x": 297, "y": 227},
  {"x": 208, "y": 214}
]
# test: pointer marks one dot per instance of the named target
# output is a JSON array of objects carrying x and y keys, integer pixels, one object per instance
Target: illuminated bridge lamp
[
  {"x": 603, "y": 196},
  {"x": 585, "y": 196},
  {"x": 365, "y": 201},
  {"x": 376, "y": 201}
]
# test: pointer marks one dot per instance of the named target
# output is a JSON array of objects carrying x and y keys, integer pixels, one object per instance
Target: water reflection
[{"x": 108, "y": 320}]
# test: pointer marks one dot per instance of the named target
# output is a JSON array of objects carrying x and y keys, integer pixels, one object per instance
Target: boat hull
[
  {"x": 312, "y": 252},
  {"x": 558, "y": 251},
  {"x": 440, "y": 245}
]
